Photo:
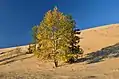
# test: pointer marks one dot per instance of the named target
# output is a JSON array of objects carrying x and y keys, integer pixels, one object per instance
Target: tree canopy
[{"x": 55, "y": 36}]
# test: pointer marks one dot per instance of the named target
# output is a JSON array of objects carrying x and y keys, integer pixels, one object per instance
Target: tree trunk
[{"x": 55, "y": 62}]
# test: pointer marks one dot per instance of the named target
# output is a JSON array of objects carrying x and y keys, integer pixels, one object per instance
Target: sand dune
[
  {"x": 96, "y": 38},
  {"x": 12, "y": 48},
  {"x": 93, "y": 39}
]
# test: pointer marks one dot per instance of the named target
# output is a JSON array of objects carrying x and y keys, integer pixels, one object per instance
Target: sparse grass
[{"x": 16, "y": 75}]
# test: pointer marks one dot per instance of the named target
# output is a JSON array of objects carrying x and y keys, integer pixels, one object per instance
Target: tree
[
  {"x": 74, "y": 46},
  {"x": 54, "y": 36}
]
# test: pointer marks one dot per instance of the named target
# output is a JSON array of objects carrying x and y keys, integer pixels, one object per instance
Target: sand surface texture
[{"x": 99, "y": 64}]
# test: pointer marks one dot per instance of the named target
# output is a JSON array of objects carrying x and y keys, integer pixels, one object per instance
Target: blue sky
[{"x": 17, "y": 17}]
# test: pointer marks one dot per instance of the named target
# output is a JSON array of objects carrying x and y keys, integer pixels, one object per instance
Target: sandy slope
[
  {"x": 92, "y": 40},
  {"x": 96, "y": 38},
  {"x": 24, "y": 48}
]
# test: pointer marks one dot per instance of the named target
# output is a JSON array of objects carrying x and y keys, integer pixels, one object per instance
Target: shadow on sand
[
  {"x": 101, "y": 55},
  {"x": 93, "y": 57},
  {"x": 13, "y": 60}
]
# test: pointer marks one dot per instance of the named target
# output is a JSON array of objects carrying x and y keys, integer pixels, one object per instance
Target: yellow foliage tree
[{"x": 54, "y": 35}]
